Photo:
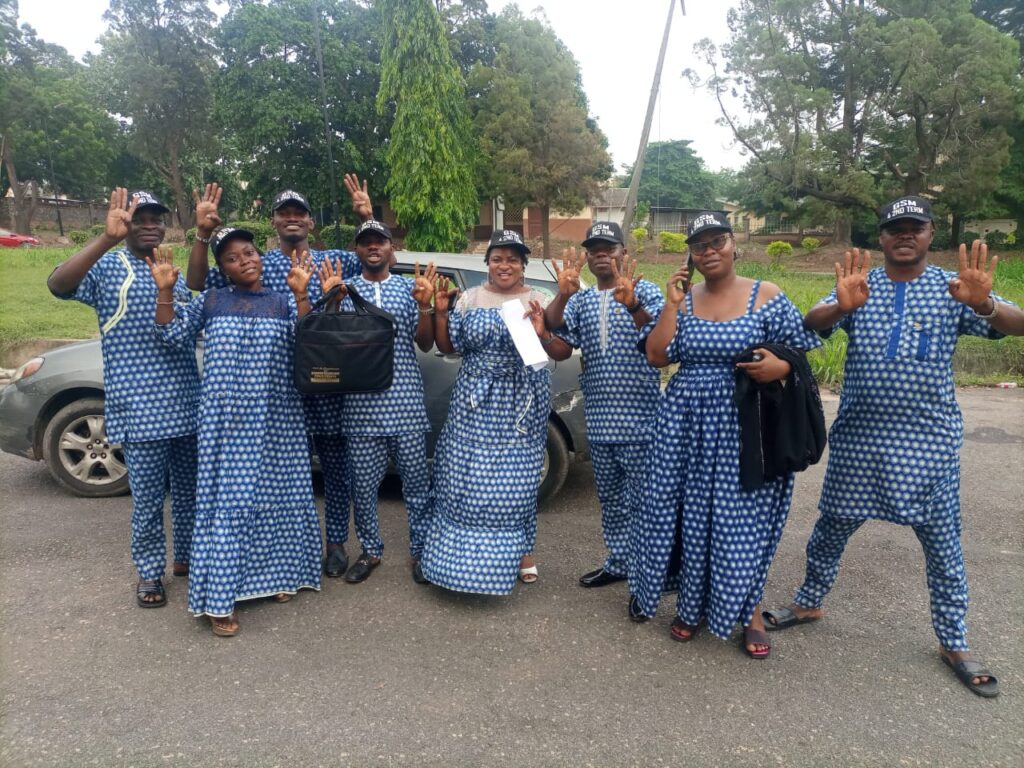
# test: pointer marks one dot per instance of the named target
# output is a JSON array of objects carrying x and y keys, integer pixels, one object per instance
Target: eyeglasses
[{"x": 716, "y": 242}]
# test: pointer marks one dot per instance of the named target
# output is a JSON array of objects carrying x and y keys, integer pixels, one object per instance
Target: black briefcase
[{"x": 344, "y": 351}]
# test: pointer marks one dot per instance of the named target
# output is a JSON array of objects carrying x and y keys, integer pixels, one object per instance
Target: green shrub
[
  {"x": 97, "y": 229},
  {"x": 776, "y": 250},
  {"x": 639, "y": 238},
  {"x": 190, "y": 236},
  {"x": 671, "y": 242},
  {"x": 969, "y": 237},
  {"x": 79, "y": 236},
  {"x": 995, "y": 239},
  {"x": 941, "y": 240},
  {"x": 337, "y": 235},
  {"x": 261, "y": 229},
  {"x": 810, "y": 244},
  {"x": 1011, "y": 239}
]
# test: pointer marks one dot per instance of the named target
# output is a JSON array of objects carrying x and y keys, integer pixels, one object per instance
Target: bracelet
[
  {"x": 202, "y": 239},
  {"x": 993, "y": 313},
  {"x": 427, "y": 311},
  {"x": 166, "y": 303},
  {"x": 635, "y": 308},
  {"x": 548, "y": 340},
  {"x": 301, "y": 297}
]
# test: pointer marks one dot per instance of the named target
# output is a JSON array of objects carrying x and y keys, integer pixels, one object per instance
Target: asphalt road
[{"x": 392, "y": 673}]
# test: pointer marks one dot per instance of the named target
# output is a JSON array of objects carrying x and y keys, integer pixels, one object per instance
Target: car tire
[
  {"x": 556, "y": 464},
  {"x": 77, "y": 452}
]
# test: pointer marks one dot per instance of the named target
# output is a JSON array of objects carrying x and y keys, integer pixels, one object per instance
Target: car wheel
[
  {"x": 556, "y": 464},
  {"x": 78, "y": 454},
  {"x": 26, "y": 245}
]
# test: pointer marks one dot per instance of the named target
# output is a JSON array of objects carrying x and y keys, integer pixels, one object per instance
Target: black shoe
[
  {"x": 336, "y": 562},
  {"x": 634, "y": 610},
  {"x": 600, "y": 578},
  {"x": 417, "y": 574},
  {"x": 360, "y": 572}
]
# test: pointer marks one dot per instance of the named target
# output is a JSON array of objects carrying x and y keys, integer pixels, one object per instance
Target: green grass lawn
[
  {"x": 28, "y": 311},
  {"x": 977, "y": 361}
]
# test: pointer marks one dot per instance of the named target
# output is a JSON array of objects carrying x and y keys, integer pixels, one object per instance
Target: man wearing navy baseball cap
[
  {"x": 894, "y": 447},
  {"x": 291, "y": 215},
  {"x": 620, "y": 388},
  {"x": 151, "y": 390}
]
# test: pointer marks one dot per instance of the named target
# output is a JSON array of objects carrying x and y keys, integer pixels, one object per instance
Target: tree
[
  {"x": 856, "y": 101},
  {"x": 674, "y": 177},
  {"x": 430, "y": 152},
  {"x": 52, "y": 136},
  {"x": 154, "y": 70},
  {"x": 470, "y": 29},
  {"x": 538, "y": 144},
  {"x": 267, "y": 95},
  {"x": 1009, "y": 194}
]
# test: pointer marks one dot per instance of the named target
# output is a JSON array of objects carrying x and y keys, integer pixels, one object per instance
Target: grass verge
[{"x": 29, "y": 311}]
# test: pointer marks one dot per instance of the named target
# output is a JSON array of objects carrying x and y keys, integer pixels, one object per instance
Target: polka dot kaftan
[
  {"x": 257, "y": 532},
  {"x": 894, "y": 447},
  {"x": 488, "y": 461},
  {"x": 729, "y": 535}
]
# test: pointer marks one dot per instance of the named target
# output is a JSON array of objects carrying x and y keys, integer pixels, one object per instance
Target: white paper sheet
[{"x": 523, "y": 335}]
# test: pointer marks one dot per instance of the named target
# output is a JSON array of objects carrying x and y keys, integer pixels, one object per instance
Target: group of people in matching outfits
[{"x": 678, "y": 511}]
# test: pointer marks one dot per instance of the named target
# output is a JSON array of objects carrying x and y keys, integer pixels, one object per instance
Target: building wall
[
  {"x": 571, "y": 227},
  {"x": 984, "y": 226},
  {"x": 74, "y": 214}
]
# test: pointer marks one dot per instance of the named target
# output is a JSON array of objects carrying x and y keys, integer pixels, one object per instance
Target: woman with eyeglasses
[{"x": 694, "y": 502}]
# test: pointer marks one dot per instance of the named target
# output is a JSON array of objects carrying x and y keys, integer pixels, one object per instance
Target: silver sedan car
[{"x": 52, "y": 410}]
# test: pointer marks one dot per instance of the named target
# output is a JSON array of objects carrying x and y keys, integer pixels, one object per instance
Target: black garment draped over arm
[{"x": 782, "y": 428}]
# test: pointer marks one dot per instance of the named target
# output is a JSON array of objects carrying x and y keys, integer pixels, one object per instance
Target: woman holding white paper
[{"x": 488, "y": 461}]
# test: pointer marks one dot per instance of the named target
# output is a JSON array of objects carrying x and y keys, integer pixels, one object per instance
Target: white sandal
[{"x": 528, "y": 575}]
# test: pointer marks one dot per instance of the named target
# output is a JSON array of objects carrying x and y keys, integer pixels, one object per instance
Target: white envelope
[{"x": 523, "y": 335}]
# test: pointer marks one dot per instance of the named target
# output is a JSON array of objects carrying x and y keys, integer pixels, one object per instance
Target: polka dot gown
[
  {"x": 257, "y": 532},
  {"x": 488, "y": 460},
  {"x": 323, "y": 412},
  {"x": 621, "y": 391},
  {"x": 729, "y": 535}
]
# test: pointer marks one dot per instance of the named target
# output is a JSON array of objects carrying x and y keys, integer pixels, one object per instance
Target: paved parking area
[{"x": 392, "y": 673}]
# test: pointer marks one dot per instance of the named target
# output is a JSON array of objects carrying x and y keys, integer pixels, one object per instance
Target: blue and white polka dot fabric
[
  {"x": 393, "y": 422},
  {"x": 894, "y": 448},
  {"x": 151, "y": 391},
  {"x": 323, "y": 412},
  {"x": 488, "y": 461},
  {"x": 621, "y": 391},
  {"x": 257, "y": 532},
  {"x": 151, "y": 395},
  {"x": 729, "y": 536}
]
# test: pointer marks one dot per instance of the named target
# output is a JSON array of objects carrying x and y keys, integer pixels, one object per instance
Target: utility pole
[
  {"x": 638, "y": 166},
  {"x": 335, "y": 215}
]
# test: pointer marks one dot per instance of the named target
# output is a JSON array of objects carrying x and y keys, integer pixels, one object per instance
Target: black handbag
[{"x": 344, "y": 351}]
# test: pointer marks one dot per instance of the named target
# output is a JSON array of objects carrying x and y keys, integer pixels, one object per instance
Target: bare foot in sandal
[
  {"x": 754, "y": 632},
  {"x": 970, "y": 672},
  {"x": 527, "y": 569},
  {"x": 225, "y": 626}
]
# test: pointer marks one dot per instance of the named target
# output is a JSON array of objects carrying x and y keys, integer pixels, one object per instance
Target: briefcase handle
[{"x": 362, "y": 306}]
